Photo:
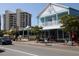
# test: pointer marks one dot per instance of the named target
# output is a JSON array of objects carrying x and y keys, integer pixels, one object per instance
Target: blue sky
[{"x": 33, "y": 8}]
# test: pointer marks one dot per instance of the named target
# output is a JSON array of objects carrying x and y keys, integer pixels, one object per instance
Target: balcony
[{"x": 50, "y": 23}]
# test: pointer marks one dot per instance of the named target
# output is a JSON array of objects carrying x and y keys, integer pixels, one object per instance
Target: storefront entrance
[{"x": 55, "y": 35}]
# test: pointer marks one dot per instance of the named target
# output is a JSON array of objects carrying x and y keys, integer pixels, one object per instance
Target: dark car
[{"x": 5, "y": 41}]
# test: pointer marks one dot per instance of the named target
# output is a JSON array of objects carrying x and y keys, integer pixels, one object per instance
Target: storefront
[{"x": 49, "y": 19}]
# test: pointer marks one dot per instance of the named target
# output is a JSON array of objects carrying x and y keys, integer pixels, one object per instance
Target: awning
[{"x": 51, "y": 27}]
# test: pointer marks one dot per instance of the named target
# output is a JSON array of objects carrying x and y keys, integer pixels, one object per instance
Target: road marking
[
  {"x": 19, "y": 51},
  {"x": 46, "y": 48}
]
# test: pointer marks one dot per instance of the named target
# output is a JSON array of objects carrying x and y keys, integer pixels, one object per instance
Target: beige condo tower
[{"x": 20, "y": 19}]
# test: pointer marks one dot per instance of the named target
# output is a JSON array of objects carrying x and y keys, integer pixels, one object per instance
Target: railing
[{"x": 50, "y": 23}]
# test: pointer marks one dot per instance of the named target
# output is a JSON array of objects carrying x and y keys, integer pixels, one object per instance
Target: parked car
[{"x": 5, "y": 41}]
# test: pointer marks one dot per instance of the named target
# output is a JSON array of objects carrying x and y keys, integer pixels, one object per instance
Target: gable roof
[{"x": 56, "y": 4}]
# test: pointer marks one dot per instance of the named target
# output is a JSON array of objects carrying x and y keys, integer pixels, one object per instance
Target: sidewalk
[{"x": 49, "y": 45}]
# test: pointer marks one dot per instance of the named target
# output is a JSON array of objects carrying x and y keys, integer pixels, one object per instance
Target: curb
[
  {"x": 56, "y": 47},
  {"x": 60, "y": 46}
]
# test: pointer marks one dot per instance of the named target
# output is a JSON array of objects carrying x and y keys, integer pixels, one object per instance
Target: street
[{"x": 30, "y": 50}]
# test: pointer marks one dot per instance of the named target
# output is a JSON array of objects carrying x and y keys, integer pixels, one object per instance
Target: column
[
  {"x": 49, "y": 36},
  {"x": 48, "y": 32},
  {"x": 63, "y": 35},
  {"x": 57, "y": 35},
  {"x": 44, "y": 26},
  {"x": 69, "y": 37},
  {"x": 68, "y": 12},
  {"x": 44, "y": 21},
  {"x": 23, "y": 32},
  {"x": 38, "y": 21},
  {"x": 28, "y": 28},
  {"x": 25, "y": 21},
  {"x": 56, "y": 24}
]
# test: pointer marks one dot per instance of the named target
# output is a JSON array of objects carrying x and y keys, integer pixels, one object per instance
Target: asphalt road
[{"x": 30, "y": 50}]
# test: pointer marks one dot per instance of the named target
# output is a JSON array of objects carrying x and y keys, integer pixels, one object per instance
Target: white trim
[
  {"x": 51, "y": 27},
  {"x": 56, "y": 4},
  {"x": 43, "y": 10},
  {"x": 60, "y": 5},
  {"x": 68, "y": 11}
]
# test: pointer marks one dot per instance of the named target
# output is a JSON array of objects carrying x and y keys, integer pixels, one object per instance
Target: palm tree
[
  {"x": 16, "y": 32},
  {"x": 37, "y": 31},
  {"x": 12, "y": 33},
  {"x": 70, "y": 24}
]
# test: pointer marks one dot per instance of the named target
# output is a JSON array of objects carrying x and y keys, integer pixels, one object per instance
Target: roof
[
  {"x": 74, "y": 9},
  {"x": 56, "y": 4}
]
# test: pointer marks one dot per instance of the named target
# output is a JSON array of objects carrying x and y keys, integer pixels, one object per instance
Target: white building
[{"x": 49, "y": 19}]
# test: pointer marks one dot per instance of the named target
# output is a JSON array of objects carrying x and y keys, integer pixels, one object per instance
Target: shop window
[{"x": 60, "y": 34}]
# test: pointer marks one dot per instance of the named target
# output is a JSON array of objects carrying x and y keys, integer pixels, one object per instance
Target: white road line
[{"x": 19, "y": 51}]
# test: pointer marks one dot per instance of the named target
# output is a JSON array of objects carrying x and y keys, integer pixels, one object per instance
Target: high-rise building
[
  {"x": 23, "y": 18},
  {"x": 19, "y": 19}
]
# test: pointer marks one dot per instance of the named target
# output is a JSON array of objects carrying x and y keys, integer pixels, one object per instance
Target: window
[
  {"x": 54, "y": 17},
  {"x": 60, "y": 33},
  {"x": 42, "y": 20},
  {"x": 49, "y": 18}
]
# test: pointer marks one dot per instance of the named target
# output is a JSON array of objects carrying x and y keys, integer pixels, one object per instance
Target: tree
[
  {"x": 7, "y": 32},
  {"x": 36, "y": 30},
  {"x": 10, "y": 32},
  {"x": 16, "y": 32},
  {"x": 70, "y": 24},
  {"x": 1, "y": 33}
]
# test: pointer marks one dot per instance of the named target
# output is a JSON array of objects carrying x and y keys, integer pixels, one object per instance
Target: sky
[{"x": 33, "y": 8}]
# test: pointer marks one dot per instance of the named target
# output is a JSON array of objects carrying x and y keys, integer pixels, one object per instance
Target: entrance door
[{"x": 53, "y": 34}]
